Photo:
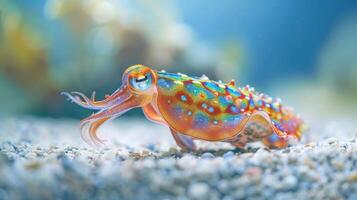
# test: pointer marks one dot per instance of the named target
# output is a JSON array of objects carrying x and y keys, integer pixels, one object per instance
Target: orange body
[{"x": 195, "y": 108}]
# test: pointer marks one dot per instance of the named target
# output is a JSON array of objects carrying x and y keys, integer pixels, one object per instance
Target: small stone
[
  {"x": 187, "y": 162},
  {"x": 198, "y": 191},
  {"x": 4, "y": 159},
  {"x": 260, "y": 156},
  {"x": 33, "y": 165},
  {"x": 331, "y": 140},
  {"x": 223, "y": 185},
  {"x": 228, "y": 154},
  {"x": 227, "y": 197},
  {"x": 324, "y": 169},
  {"x": 286, "y": 151},
  {"x": 151, "y": 146},
  {"x": 207, "y": 155},
  {"x": 290, "y": 182},
  {"x": 239, "y": 193},
  {"x": 254, "y": 173},
  {"x": 352, "y": 178},
  {"x": 352, "y": 196}
]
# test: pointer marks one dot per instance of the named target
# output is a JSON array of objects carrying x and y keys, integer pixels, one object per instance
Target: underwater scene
[{"x": 178, "y": 99}]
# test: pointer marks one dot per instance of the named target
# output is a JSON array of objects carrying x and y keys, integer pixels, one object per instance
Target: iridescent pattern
[
  {"x": 214, "y": 104},
  {"x": 195, "y": 108},
  {"x": 164, "y": 83},
  {"x": 201, "y": 120},
  {"x": 213, "y": 87}
]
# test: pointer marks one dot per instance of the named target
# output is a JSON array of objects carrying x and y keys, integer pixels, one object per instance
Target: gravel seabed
[{"x": 46, "y": 159}]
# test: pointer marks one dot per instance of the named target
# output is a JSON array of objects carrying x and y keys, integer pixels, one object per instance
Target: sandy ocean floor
[{"x": 46, "y": 159}]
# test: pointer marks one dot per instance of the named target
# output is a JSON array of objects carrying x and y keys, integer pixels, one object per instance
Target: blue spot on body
[
  {"x": 278, "y": 126},
  {"x": 194, "y": 90},
  {"x": 275, "y": 107},
  {"x": 178, "y": 111},
  {"x": 200, "y": 120},
  {"x": 170, "y": 75},
  {"x": 273, "y": 137},
  {"x": 243, "y": 105},
  {"x": 251, "y": 103},
  {"x": 259, "y": 102},
  {"x": 209, "y": 94},
  {"x": 233, "y": 120},
  {"x": 164, "y": 83},
  {"x": 233, "y": 91},
  {"x": 210, "y": 109},
  {"x": 204, "y": 105},
  {"x": 234, "y": 109},
  {"x": 213, "y": 87},
  {"x": 223, "y": 101},
  {"x": 183, "y": 98}
]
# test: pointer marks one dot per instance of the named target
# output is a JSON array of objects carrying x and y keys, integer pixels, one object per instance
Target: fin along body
[{"x": 194, "y": 108}]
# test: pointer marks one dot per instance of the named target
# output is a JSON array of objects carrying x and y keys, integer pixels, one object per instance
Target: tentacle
[
  {"x": 79, "y": 99},
  {"x": 82, "y": 100},
  {"x": 94, "y": 127},
  {"x": 152, "y": 114},
  {"x": 91, "y": 124}
]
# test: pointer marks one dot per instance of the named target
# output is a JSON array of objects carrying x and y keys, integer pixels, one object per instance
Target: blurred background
[{"x": 302, "y": 51}]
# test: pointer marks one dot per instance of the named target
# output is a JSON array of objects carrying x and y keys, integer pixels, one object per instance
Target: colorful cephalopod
[{"x": 194, "y": 108}]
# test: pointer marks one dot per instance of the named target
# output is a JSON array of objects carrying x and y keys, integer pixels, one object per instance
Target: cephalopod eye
[{"x": 141, "y": 82}]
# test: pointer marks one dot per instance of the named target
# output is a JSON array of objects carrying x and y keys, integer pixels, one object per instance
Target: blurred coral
[
  {"x": 86, "y": 45},
  {"x": 338, "y": 60}
]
